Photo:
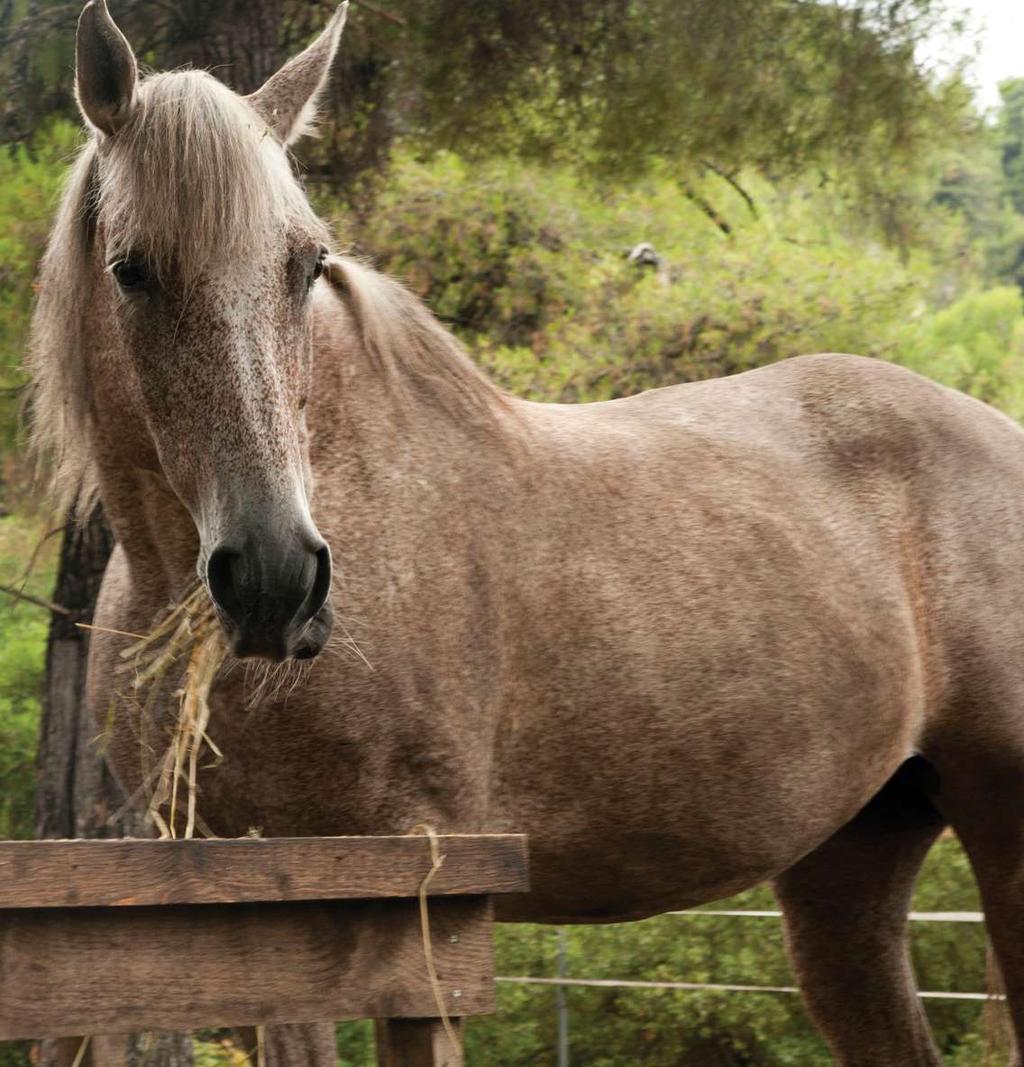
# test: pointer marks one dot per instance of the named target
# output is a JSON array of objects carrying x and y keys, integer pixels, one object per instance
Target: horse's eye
[
  {"x": 131, "y": 275},
  {"x": 321, "y": 262}
]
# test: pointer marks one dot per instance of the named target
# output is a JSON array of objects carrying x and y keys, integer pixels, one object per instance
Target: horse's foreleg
[{"x": 846, "y": 910}]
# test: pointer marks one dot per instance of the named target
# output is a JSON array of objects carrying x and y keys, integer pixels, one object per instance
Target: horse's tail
[{"x": 995, "y": 1025}]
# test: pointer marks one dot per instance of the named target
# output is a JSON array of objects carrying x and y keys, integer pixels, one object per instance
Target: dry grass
[{"x": 190, "y": 634}]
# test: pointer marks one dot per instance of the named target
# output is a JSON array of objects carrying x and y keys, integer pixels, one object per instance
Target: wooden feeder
[{"x": 112, "y": 937}]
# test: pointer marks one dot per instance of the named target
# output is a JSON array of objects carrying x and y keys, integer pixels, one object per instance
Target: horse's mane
[
  {"x": 195, "y": 174},
  {"x": 406, "y": 344},
  {"x": 58, "y": 401}
]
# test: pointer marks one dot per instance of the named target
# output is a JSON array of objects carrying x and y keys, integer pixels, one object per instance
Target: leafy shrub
[
  {"x": 23, "y": 630},
  {"x": 977, "y": 345},
  {"x": 529, "y": 266},
  {"x": 30, "y": 181}
]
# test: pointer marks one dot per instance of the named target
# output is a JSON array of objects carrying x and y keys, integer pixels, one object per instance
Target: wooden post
[{"x": 417, "y": 1043}]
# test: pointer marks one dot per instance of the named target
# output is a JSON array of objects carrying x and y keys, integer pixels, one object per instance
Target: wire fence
[
  {"x": 563, "y": 981},
  {"x": 915, "y": 917}
]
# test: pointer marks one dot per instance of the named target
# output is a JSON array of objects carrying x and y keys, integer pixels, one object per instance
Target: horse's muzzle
[{"x": 271, "y": 596}]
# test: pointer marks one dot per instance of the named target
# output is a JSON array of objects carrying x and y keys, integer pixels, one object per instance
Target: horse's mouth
[
  {"x": 303, "y": 642},
  {"x": 315, "y": 635}
]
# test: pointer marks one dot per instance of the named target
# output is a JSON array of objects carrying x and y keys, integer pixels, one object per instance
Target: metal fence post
[{"x": 561, "y": 1004}]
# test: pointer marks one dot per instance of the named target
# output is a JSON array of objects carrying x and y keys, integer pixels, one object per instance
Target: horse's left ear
[
  {"x": 106, "y": 74},
  {"x": 287, "y": 100}
]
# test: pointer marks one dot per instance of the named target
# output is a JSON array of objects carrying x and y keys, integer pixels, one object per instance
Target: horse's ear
[
  {"x": 106, "y": 74},
  {"x": 287, "y": 101}
]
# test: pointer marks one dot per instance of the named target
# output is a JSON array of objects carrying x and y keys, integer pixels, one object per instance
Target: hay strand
[
  {"x": 189, "y": 632},
  {"x": 437, "y": 859}
]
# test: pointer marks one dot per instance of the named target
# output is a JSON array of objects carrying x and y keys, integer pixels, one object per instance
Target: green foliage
[
  {"x": 1008, "y": 249},
  {"x": 780, "y": 85},
  {"x": 22, "y": 634},
  {"x": 765, "y": 83},
  {"x": 528, "y": 264},
  {"x": 23, "y": 630},
  {"x": 1011, "y": 139},
  {"x": 30, "y": 179},
  {"x": 15, "y": 1053},
  {"x": 977, "y": 345},
  {"x": 356, "y": 1047}
]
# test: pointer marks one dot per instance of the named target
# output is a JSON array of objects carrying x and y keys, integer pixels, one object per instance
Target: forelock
[{"x": 196, "y": 176}]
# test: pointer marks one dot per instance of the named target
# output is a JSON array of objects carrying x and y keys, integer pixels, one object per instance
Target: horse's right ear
[
  {"x": 106, "y": 74},
  {"x": 287, "y": 101}
]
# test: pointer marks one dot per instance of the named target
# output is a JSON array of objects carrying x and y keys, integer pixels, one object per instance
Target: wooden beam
[
  {"x": 416, "y": 1043},
  {"x": 46, "y": 874},
  {"x": 182, "y": 967}
]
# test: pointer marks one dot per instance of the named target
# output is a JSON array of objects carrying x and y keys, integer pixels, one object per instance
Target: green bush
[
  {"x": 30, "y": 181},
  {"x": 23, "y": 631},
  {"x": 977, "y": 345},
  {"x": 529, "y": 266}
]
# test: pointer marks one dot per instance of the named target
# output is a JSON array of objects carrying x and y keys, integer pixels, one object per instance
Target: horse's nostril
[
  {"x": 321, "y": 581},
  {"x": 221, "y": 577}
]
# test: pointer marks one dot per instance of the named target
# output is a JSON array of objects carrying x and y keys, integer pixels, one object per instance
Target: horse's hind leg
[
  {"x": 846, "y": 910},
  {"x": 982, "y": 795}
]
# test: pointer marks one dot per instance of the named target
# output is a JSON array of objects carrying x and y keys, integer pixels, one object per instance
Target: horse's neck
[
  {"x": 418, "y": 504},
  {"x": 153, "y": 528},
  {"x": 385, "y": 448}
]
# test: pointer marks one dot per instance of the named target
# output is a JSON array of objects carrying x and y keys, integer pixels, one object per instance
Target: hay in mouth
[{"x": 190, "y": 632}]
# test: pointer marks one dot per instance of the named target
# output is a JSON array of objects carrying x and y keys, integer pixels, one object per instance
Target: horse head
[{"x": 205, "y": 254}]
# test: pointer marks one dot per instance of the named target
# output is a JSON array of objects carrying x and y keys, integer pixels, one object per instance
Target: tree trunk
[
  {"x": 77, "y": 795},
  {"x": 238, "y": 40}
]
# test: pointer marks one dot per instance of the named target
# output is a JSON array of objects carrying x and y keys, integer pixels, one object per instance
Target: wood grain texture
[
  {"x": 416, "y": 1043},
  {"x": 47, "y": 874},
  {"x": 182, "y": 967}
]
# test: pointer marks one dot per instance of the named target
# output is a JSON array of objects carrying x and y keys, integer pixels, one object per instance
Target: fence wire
[{"x": 627, "y": 983}]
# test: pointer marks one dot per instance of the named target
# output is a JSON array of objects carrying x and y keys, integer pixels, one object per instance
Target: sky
[{"x": 1001, "y": 44}]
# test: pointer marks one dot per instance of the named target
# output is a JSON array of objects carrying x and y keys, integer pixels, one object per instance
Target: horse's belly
[
  {"x": 675, "y": 857},
  {"x": 655, "y": 811}
]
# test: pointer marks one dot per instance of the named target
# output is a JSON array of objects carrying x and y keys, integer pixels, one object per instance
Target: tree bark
[
  {"x": 238, "y": 40},
  {"x": 77, "y": 795}
]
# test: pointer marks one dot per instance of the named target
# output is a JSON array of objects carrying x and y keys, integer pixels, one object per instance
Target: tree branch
[
  {"x": 707, "y": 208},
  {"x": 48, "y": 605},
  {"x": 726, "y": 177}
]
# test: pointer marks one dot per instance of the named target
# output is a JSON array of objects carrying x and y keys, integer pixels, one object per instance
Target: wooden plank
[
  {"x": 45, "y": 874},
  {"x": 417, "y": 1043},
  {"x": 182, "y": 967}
]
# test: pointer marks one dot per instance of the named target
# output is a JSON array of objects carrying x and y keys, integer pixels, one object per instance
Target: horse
[{"x": 757, "y": 628}]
